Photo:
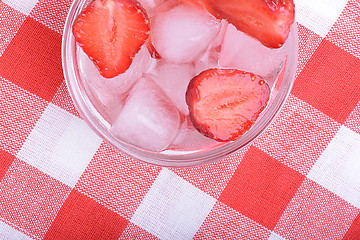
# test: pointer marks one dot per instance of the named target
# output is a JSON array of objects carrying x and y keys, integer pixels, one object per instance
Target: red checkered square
[
  {"x": 81, "y": 217},
  {"x": 212, "y": 178},
  {"x": 63, "y": 100},
  {"x": 354, "y": 231},
  {"x": 332, "y": 92},
  {"x": 10, "y": 22},
  {"x": 345, "y": 33},
  {"x": 19, "y": 111},
  {"x": 32, "y": 60},
  {"x": 51, "y": 13},
  {"x": 308, "y": 42},
  {"x": 6, "y": 159},
  {"x": 30, "y": 199},
  {"x": 353, "y": 120},
  {"x": 132, "y": 231},
  {"x": 226, "y": 223},
  {"x": 116, "y": 181},
  {"x": 316, "y": 213},
  {"x": 261, "y": 188},
  {"x": 298, "y": 136}
]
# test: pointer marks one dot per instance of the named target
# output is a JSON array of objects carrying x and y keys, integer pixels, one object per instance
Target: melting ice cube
[
  {"x": 174, "y": 80},
  {"x": 181, "y": 34},
  {"x": 121, "y": 83},
  {"x": 107, "y": 95},
  {"x": 150, "y": 5},
  {"x": 148, "y": 119},
  {"x": 210, "y": 58},
  {"x": 248, "y": 54},
  {"x": 189, "y": 139}
]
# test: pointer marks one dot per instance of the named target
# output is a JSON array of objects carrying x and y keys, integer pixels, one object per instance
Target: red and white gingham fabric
[{"x": 299, "y": 180}]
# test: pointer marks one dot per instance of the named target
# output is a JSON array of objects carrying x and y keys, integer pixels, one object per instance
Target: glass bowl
[{"x": 178, "y": 157}]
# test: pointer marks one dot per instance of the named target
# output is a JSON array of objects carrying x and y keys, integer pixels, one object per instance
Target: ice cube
[
  {"x": 148, "y": 119},
  {"x": 174, "y": 80},
  {"x": 121, "y": 83},
  {"x": 245, "y": 53},
  {"x": 107, "y": 95},
  {"x": 150, "y": 5},
  {"x": 221, "y": 34},
  {"x": 190, "y": 139},
  {"x": 210, "y": 58},
  {"x": 108, "y": 105},
  {"x": 182, "y": 33}
]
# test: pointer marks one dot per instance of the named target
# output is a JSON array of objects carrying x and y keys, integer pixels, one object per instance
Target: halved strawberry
[
  {"x": 199, "y": 3},
  {"x": 111, "y": 32},
  {"x": 224, "y": 103},
  {"x": 269, "y": 21}
]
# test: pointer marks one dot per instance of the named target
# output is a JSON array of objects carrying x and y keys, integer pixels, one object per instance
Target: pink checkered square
[
  {"x": 62, "y": 99},
  {"x": 308, "y": 42},
  {"x": 19, "y": 112},
  {"x": 345, "y": 33},
  {"x": 224, "y": 222},
  {"x": 212, "y": 178},
  {"x": 30, "y": 199},
  {"x": 132, "y": 231},
  {"x": 51, "y": 13},
  {"x": 9, "y": 231},
  {"x": 116, "y": 181},
  {"x": 316, "y": 213},
  {"x": 353, "y": 120},
  {"x": 299, "y": 135},
  {"x": 10, "y": 22}
]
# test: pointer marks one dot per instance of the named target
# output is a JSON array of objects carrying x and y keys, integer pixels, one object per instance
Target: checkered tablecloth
[{"x": 299, "y": 180}]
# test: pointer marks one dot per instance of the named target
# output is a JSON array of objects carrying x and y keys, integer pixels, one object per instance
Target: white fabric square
[
  {"x": 173, "y": 208},
  {"x": 318, "y": 15},
  {"x": 338, "y": 167},
  {"x": 24, "y": 6},
  {"x": 9, "y": 233},
  {"x": 60, "y": 145},
  {"x": 275, "y": 236}
]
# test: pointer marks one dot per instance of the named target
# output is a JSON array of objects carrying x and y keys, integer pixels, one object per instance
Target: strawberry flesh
[
  {"x": 224, "y": 103},
  {"x": 269, "y": 21},
  {"x": 199, "y": 4},
  {"x": 111, "y": 32}
]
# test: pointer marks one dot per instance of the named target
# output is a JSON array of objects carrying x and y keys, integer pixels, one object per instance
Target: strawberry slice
[
  {"x": 111, "y": 32},
  {"x": 224, "y": 103},
  {"x": 200, "y": 4},
  {"x": 269, "y": 21}
]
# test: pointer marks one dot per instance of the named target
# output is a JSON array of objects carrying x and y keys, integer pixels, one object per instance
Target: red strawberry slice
[
  {"x": 269, "y": 21},
  {"x": 224, "y": 103},
  {"x": 200, "y": 4},
  {"x": 111, "y": 32}
]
